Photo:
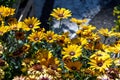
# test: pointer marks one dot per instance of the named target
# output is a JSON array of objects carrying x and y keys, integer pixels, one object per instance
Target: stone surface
[
  {"x": 105, "y": 17},
  {"x": 79, "y": 8}
]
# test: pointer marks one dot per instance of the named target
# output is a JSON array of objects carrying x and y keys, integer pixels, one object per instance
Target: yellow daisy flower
[
  {"x": 94, "y": 37},
  {"x": 69, "y": 76},
  {"x": 105, "y": 32},
  {"x": 116, "y": 34},
  {"x": 89, "y": 71},
  {"x": 2, "y": 9},
  {"x": 85, "y": 30},
  {"x": 15, "y": 26},
  {"x": 61, "y": 13},
  {"x": 26, "y": 64},
  {"x": 3, "y": 64},
  {"x": 99, "y": 64},
  {"x": 12, "y": 21},
  {"x": 73, "y": 66},
  {"x": 25, "y": 47},
  {"x": 3, "y": 29},
  {"x": 78, "y": 21},
  {"x": 116, "y": 49},
  {"x": 100, "y": 55},
  {"x": 46, "y": 58},
  {"x": 79, "y": 41},
  {"x": 50, "y": 36},
  {"x": 72, "y": 51},
  {"x": 63, "y": 39},
  {"x": 87, "y": 27},
  {"x": 6, "y": 11},
  {"x": 36, "y": 36},
  {"x": 31, "y": 24}
]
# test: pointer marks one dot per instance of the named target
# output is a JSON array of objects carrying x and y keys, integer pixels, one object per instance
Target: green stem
[
  {"x": 85, "y": 57},
  {"x": 105, "y": 39},
  {"x": 60, "y": 25}
]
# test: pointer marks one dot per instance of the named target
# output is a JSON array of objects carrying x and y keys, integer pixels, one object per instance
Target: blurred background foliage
[{"x": 8, "y": 3}]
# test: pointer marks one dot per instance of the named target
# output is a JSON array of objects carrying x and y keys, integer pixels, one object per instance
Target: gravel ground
[{"x": 105, "y": 17}]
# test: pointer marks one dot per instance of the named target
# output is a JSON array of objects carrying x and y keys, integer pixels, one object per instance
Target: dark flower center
[
  {"x": 61, "y": 15},
  {"x": 61, "y": 41},
  {"x": 73, "y": 68},
  {"x": 50, "y": 38},
  {"x": 17, "y": 53},
  {"x": 2, "y": 63},
  {"x": 30, "y": 26},
  {"x": 1, "y": 32},
  {"x": 78, "y": 23},
  {"x": 44, "y": 78},
  {"x": 99, "y": 54},
  {"x": 24, "y": 48},
  {"x": 38, "y": 67},
  {"x": 72, "y": 53},
  {"x": 36, "y": 38},
  {"x": 99, "y": 64},
  {"x": 19, "y": 34},
  {"x": 15, "y": 27}
]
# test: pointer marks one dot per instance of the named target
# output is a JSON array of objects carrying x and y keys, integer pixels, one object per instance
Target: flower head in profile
[
  {"x": 3, "y": 64},
  {"x": 100, "y": 55},
  {"x": 85, "y": 30},
  {"x": 78, "y": 21},
  {"x": 31, "y": 24},
  {"x": 15, "y": 25},
  {"x": 61, "y": 13},
  {"x": 12, "y": 21},
  {"x": 25, "y": 47},
  {"x": 79, "y": 41},
  {"x": 99, "y": 64},
  {"x": 105, "y": 32},
  {"x": 46, "y": 58},
  {"x": 72, "y": 51}
]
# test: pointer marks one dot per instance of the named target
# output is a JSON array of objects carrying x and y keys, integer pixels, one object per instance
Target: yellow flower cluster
[
  {"x": 6, "y": 11},
  {"x": 29, "y": 52}
]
